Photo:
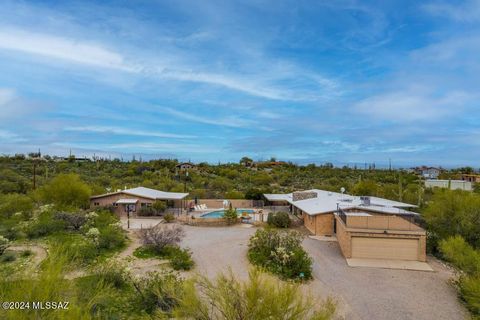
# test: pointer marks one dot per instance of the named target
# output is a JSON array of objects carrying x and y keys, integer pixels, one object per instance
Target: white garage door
[{"x": 385, "y": 248}]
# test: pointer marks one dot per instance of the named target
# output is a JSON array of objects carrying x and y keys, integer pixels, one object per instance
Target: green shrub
[
  {"x": 169, "y": 217},
  {"x": 26, "y": 253},
  {"x": 159, "y": 206},
  {"x": 181, "y": 259},
  {"x": 73, "y": 221},
  {"x": 470, "y": 293},
  {"x": 231, "y": 216},
  {"x": 159, "y": 291},
  {"x": 280, "y": 219},
  {"x": 44, "y": 225},
  {"x": 281, "y": 253},
  {"x": 13, "y": 203},
  {"x": 111, "y": 238},
  {"x": 147, "y": 211},
  {"x": 457, "y": 251},
  {"x": 261, "y": 297},
  {"x": 74, "y": 248},
  {"x": 66, "y": 191},
  {"x": 4, "y": 243},
  {"x": 8, "y": 256}
]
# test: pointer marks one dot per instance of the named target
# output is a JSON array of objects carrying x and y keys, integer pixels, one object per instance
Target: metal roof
[{"x": 147, "y": 193}]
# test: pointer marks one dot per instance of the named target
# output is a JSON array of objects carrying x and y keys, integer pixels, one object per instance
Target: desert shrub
[
  {"x": 13, "y": 203},
  {"x": 73, "y": 221},
  {"x": 457, "y": 251},
  {"x": 230, "y": 216},
  {"x": 66, "y": 191},
  {"x": 44, "y": 225},
  {"x": 181, "y": 259},
  {"x": 279, "y": 219},
  {"x": 113, "y": 274},
  {"x": 470, "y": 293},
  {"x": 160, "y": 236},
  {"x": 111, "y": 237},
  {"x": 74, "y": 248},
  {"x": 280, "y": 253},
  {"x": 159, "y": 206},
  {"x": 26, "y": 253},
  {"x": 4, "y": 242},
  {"x": 8, "y": 256},
  {"x": 159, "y": 291},
  {"x": 169, "y": 217},
  {"x": 261, "y": 297},
  {"x": 147, "y": 211}
]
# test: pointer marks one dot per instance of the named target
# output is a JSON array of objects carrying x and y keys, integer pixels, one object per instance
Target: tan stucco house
[
  {"x": 131, "y": 200},
  {"x": 365, "y": 227}
]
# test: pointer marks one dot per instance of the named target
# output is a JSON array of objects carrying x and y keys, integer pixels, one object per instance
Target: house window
[
  {"x": 96, "y": 204},
  {"x": 143, "y": 204}
]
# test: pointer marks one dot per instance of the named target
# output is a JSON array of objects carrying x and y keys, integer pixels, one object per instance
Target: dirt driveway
[{"x": 362, "y": 293}]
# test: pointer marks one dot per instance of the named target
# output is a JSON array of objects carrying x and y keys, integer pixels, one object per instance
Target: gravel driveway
[{"x": 361, "y": 293}]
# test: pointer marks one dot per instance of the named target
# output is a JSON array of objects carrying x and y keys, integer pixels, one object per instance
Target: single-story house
[
  {"x": 365, "y": 227},
  {"x": 428, "y": 172},
  {"x": 474, "y": 178},
  {"x": 131, "y": 200},
  {"x": 185, "y": 166}
]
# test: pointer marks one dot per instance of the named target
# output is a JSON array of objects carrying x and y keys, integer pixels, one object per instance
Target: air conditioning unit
[{"x": 365, "y": 200}]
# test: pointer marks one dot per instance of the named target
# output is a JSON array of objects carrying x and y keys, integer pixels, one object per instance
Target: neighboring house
[
  {"x": 185, "y": 166},
  {"x": 133, "y": 199},
  {"x": 474, "y": 178},
  {"x": 365, "y": 227},
  {"x": 449, "y": 184},
  {"x": 428, "y": 172}
]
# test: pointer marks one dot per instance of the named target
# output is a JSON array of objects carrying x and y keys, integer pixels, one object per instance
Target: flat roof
[{"x": 327, "y": 201}]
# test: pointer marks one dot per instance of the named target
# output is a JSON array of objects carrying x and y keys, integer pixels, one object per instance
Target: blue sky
[{"x": 305, "y": 81}]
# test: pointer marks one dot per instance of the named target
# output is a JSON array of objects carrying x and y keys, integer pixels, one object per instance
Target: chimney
[{"x": 302, "y": 195}]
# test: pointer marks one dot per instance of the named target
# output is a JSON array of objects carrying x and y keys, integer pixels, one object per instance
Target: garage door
[{"x": 385, "y": 248}]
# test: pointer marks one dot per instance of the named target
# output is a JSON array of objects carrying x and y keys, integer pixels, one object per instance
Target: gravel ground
[{"x": 361, "y": 293}]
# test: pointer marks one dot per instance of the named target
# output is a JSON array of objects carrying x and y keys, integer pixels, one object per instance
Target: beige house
[
  {"x": 365, "y": 227},
  {"x": 132, "y": 200}
]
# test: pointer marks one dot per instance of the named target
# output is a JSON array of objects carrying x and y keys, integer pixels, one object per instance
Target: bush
[
  {"x": 457, "y": 251},
  {"x": 470, "y": 293},
  {"x": 147, "y": 211},
  {"x": 44, "y": 225},
  {"x": 261, "y": 297},
  {"x": 280, "y": 253},
  {"x": 111, "y": 237},
  {"x": 231, "y": 216},
  {"x": 66, "y": 191},
  {"x": 13, "y": 203},
  {"x": 159, "y": 291},
  {"x": 280, "y": 219},
  {"x": 160, "y": 236},
  {"x": 181, "y": 259},
  {"x": 73, "y": 221},
  {"x": 4, "y": 243},
  {"x": 8, "y": 257},
  {"x": 26, "y": 253},
  {"x": 169, "y": 217}
]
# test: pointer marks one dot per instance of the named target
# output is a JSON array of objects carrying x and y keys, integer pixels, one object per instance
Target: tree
[
  {"x": 246, "y": 161},
  {"x": 160, "y": 236},
  {"x": 13, "y": 203},
  {"x": 66, "y": 191},
  {"x": 456, "y": 212},
  {"x": 230, "y": 215}
]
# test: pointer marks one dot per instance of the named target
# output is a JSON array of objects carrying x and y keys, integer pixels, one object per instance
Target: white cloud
[
  {"x": 412, "y": 105},
  {"x": 127, "y": 131},
  {"x": 469, "y": 11},
  {"x": 232, "y": 121},
  {"x": 10, "y": 137},
  {"x": 61, "y": 48}
]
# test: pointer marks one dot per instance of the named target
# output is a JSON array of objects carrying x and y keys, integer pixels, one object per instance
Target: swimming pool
[{"x": 219, "y": 213}]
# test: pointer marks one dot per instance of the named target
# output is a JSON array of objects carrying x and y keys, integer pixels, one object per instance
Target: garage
[{"x": 385, "y": 248}]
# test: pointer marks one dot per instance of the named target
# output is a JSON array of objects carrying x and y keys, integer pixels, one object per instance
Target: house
[
  {"x": 365, "y": 227},
  {"x": 131, "y": 200},
  {"x": 449, "y": 184},
  {"x": 428, "y": 172},
  {"x": 473, "y": 178},
  {"x": 185, "y": 166}
]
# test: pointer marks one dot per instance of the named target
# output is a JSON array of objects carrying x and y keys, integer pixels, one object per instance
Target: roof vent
[{"x": 365, "y": 200}]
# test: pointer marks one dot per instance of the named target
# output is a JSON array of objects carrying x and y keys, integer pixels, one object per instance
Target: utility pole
[{"x": 34, "y": 174}]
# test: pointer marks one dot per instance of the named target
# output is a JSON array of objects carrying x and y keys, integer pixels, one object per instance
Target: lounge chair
[{"x": 204, "y": 206}]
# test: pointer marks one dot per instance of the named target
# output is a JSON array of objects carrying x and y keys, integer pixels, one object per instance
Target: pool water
[{"x": 219, "y": 213}]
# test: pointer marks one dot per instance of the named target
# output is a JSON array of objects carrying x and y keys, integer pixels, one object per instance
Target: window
[{"x": 96, "y": 204}]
